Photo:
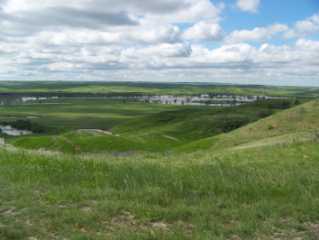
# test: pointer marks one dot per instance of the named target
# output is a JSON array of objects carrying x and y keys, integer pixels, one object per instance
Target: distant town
[{"x": 222, "y": 100}]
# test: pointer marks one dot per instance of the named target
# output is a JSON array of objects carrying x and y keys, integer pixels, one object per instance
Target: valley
[{"x": 98, "y": 167}]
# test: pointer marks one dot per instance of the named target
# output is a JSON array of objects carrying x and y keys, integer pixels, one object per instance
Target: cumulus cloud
[
  {"x": 305, "y": 27},
  {"x": 147, "y": 40},
  {"x": 167, "y": 10},
  {"x": 248, "y": 5},
  {"x": 123, "y": 36},
  {"x": 300, "y": 29},
  {"x": 258, "y": 34},
  {"x": 204, "y": 30}
]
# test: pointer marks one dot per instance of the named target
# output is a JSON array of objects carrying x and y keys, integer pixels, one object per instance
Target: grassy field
[
  {"x": 264, "y": 193},
  {"x": 113, "y": 170},
  {"x": 68, "y": 114},
  {"x": 156, "y": 88},
  {"x": 130, "y": 126}
]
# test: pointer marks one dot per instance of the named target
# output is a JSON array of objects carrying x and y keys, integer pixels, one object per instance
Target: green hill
[
  {"x": 288, "y": 125},
  {"x": 155, "y": 132},
  {"x": 249, "y": 194},
  {"x": 257, "y": 182},
  {"x": 79, "y": 142}
]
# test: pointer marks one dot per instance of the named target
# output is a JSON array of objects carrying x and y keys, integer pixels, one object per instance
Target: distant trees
[
  {"x": 227, "y": 123},
  {"x": 278, "y": 103}
]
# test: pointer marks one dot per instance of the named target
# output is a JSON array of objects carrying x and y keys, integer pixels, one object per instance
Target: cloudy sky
[{"x": 232, "y": 41}]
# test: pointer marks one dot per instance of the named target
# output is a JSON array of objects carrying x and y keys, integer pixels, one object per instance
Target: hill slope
[
  {"x": 250, "y": 194},
  {"x": 269, "y": 192},
  {"x": 156, "y": 132},
  {"x": 297, "y": 121}
]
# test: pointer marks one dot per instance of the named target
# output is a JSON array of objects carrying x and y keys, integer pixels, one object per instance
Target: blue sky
[
  {"x": 269, "y": 12},
  {"x": 233, "y": 41}
]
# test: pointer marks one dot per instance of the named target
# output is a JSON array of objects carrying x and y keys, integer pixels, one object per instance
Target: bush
[
  {"x": 264, "y": 113},
  {"x": 232, "y": 122},
  {"x": 280, "y": 104}
]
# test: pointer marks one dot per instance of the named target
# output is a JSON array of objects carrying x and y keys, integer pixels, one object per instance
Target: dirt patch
[
  {"x": 314, "y": 230},
  {"x": 279, "y": 140},
  {"x": 235, "y": 237},
  {"x": 32, "y": 238},
  {"x": 95, "y": 131},
  {"x": 128, "y": 220},
  {"x": 7, "y": 212},
  {"x": 301, "y": 232},
  {"x": 171, "y": 138},
  {"x": 160, "y": 226},
  {"x": 32, "y": 117},
  {"x": 86, "y": 209}
]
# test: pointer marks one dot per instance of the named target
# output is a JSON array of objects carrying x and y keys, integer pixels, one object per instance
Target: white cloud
[
  {"x": 204, "y": 30},
  {"x": 145, "y": 40},
  {"x": 164, "y": 10},
  {"x": 248, "y": 5},
  {"x": 258, "y": 34},
  {"x": 162, "y": 50},
  {"x": 119, "y": 36},
  {"x": 305, "y": 27},
  {"x": 308, "y": 45},
  {"x": 62, "y": 66}
]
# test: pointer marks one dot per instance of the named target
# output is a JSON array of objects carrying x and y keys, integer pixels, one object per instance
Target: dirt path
[{"x": 284, "y": 139}]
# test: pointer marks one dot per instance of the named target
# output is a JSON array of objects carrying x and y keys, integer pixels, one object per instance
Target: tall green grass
[{"x": 250, "y": 194}]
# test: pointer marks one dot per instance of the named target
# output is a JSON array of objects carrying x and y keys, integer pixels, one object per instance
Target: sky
[{"x": 226, "y": 41}]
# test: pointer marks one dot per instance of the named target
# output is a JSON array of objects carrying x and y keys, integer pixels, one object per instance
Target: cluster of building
[
  {"x": 204, "y": 99},
  {"x": 222, "y": 100},
  {"x": 18, "y": 100},
  {"x": 35, "y": 99}
]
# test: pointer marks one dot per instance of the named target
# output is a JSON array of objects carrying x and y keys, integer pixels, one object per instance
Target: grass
[
  {"x": 253, "y": 177},
  {"x": 299, "y": 119},
  {"x": 249, "y": 194},
  {"x": 135, "y": 126},
  {"x": 80, "y": 142},
  {"x": 72, "y": 114},
  {"x": 155, "y": 88}
]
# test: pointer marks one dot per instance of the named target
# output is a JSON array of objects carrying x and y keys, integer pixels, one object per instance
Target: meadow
[
  {"x": 68, "y": 125},
  {"x": 154, "y": 88},
  {"x": 100, "y": 169}
]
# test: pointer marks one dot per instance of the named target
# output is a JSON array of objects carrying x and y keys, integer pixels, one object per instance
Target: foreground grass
[{"x": 247, "y": 194}]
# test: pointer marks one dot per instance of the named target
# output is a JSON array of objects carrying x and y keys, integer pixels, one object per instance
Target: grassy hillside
[
  {"x": 256, "y": 182},
  {"x": 194, "y": 123},
  {"x": 298, "y": 121},
  {"x": 251, "y": 194},
  {"x": 79, "y": 142},
  {"x": 154, "y": 130},
  {"x": 70, "y": 114}
]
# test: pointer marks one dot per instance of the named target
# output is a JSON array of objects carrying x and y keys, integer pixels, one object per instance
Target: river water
[{"x": 11, "y": 131}]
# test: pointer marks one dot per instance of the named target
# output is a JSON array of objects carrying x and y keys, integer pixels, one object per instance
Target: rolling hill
[
  {"x": 257, "y": 182},
  {"x": 155, "y": 132},
  {"x": 294, "y": 124}
]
